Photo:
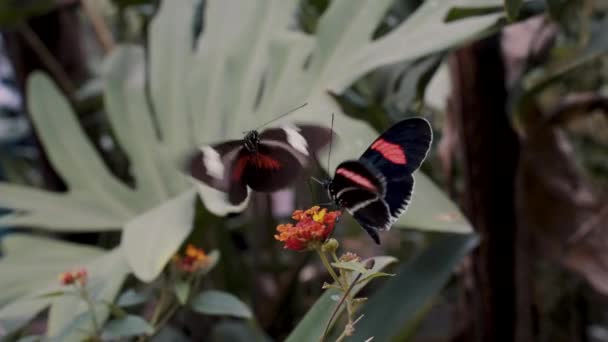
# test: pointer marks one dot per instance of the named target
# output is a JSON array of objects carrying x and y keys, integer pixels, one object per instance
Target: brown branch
[
  {"x": 47, "y": 59},
  {"x": 102, "y": 32}
]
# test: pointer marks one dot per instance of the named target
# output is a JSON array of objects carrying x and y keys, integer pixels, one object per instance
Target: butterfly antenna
[
  {"x": 316, "y": 180},
  {"x": 331, "y": 138},
  {"x": 283, "y": 115}
]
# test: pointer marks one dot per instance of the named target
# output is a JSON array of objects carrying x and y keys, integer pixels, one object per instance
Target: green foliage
[
  {"x": 420, "y": 279},
  {"x": 128, "y": 326},
  {"x": 14, "y": 12},
  {"x": 312, "y": 325},
  {"x": 202, "y": 89},
  {"x": 220, "y": 303}
]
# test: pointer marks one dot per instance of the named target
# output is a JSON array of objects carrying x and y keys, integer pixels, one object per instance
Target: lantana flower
[
  {"x": 313, "y": 227},
  {"x": 79, "y": 276},
  {"x": 193, "y": 259}
]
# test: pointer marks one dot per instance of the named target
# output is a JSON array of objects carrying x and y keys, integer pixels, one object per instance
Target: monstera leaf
[{"x": 247, "y": 66}]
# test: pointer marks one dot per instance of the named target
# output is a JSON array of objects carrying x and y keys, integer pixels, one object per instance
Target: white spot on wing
[
  {"x": 213, "y": 162},
  {"x": 296, "y": 140}
]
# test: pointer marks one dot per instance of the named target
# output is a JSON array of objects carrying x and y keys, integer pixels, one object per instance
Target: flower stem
[
  {"x": 349, "y": 307},
  {"x": 329, "y": 268},
  {"x": 85, "y": 296},
  {"x": 159, "y": 306}
]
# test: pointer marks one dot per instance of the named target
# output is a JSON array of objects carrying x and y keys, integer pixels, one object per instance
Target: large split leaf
[
  {"x": 151, "y": 239},
  {"x": 71, "y": 153}
]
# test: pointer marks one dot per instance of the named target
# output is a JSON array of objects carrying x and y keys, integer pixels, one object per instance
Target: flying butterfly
[
  {"x": 376, "y": 188},
  {"x": 264, "y": 161}
]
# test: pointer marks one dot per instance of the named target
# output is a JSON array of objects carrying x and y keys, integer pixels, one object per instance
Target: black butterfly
[
  {"x": 377, "y": 188},
  {"x": 265, "y": 162}
]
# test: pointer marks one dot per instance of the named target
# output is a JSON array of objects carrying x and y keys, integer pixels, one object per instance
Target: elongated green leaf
[
  {"x": 71, "y": 153},
  {"x": 171, "y": 38},
  {"x": 151, "y": 239},
  {"x": 131, "y": 298},
  {"x": 431, "y": 209},
  {"x": 344, "y": 27},
  {"x": 128, "y": 326},
  {"x": 413, "y": 285},
  {"x": 182, "y": 291},
  {"x": 106, "y": 275},
  {"x": 411, "y": 39},
  {"x": 238, "y": 331},
  {"x": 457, "y": 13},
  {"x": 220, "y": 303},
  {"x": 127, "y": 106},
  {"x": 312, "y": 325},
  {"x": 55, "y": 211}
]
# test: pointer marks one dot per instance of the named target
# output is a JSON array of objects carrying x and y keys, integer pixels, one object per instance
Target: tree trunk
[
  {"x": 58, "y": 35},
  {"x": 490, "y": 152}
]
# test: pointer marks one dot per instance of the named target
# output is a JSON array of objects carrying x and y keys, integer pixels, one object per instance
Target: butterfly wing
[
  {"x": 281, "y": 156},
  {"x": 211, "y": 164},
  {"x": 360, "y": 189},
  {"x": 396, "y": 154},
  {"x": 269, "y": 169}
]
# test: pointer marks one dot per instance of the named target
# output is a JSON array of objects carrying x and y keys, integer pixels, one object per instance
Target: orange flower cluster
[
  {"x": 313, "y": 227},
  {"x": 194, "y": 259},
  {"x": 79, "y": 276}
]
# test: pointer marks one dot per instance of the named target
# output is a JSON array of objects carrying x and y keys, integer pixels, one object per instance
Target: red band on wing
[
  {"x": 393, "y": 152},
  {"x": 364, "y": 182},
  {"x": 258, "y": 160}
]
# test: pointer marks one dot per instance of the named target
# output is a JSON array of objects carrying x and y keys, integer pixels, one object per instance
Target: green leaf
[
  {"x": 397, "y": 46},
  {"x": 182, "y": 291},
  {"x": 312, "y": 325},
  {"x": 132, "y": 298},
  {"x": 220, "y": 303},
  {"x": 151, "y": 239},
  {"x": 13, "y": 12},
  {"x": 49, "y": 210},
  {"x": 238, "y": 331},
  {"x": 352, "y": 265},
  {"x": 57, "y": 294},
  {"x": 170, "y": 46},
  {"x": 512, "y": 7},
  {"x": 115, "y": 310},
  {"x": 431, "y": 209},
  {"x": 458, "y": 13},
  {"x": 373, "y": 275},
  {"x": 531, "y": 87},
  {"x": 72, "y": 154},
  {"x": 414, "y": 284},
  {"x": 126, "y": 103},
  {"x": 128, "y": 326}
]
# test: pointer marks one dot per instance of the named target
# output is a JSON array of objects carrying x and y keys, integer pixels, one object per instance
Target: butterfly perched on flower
[
  {"x": 376, "y": 188},
  {"x": 264, "y": 161}
]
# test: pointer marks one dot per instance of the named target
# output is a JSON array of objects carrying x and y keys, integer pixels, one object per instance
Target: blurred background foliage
[{"x": 516, "y": 93}]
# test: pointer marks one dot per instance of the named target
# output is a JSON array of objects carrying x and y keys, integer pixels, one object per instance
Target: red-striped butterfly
[
  {"x": 265, "y": 162},
  {"x": 376, "y": 188}
]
